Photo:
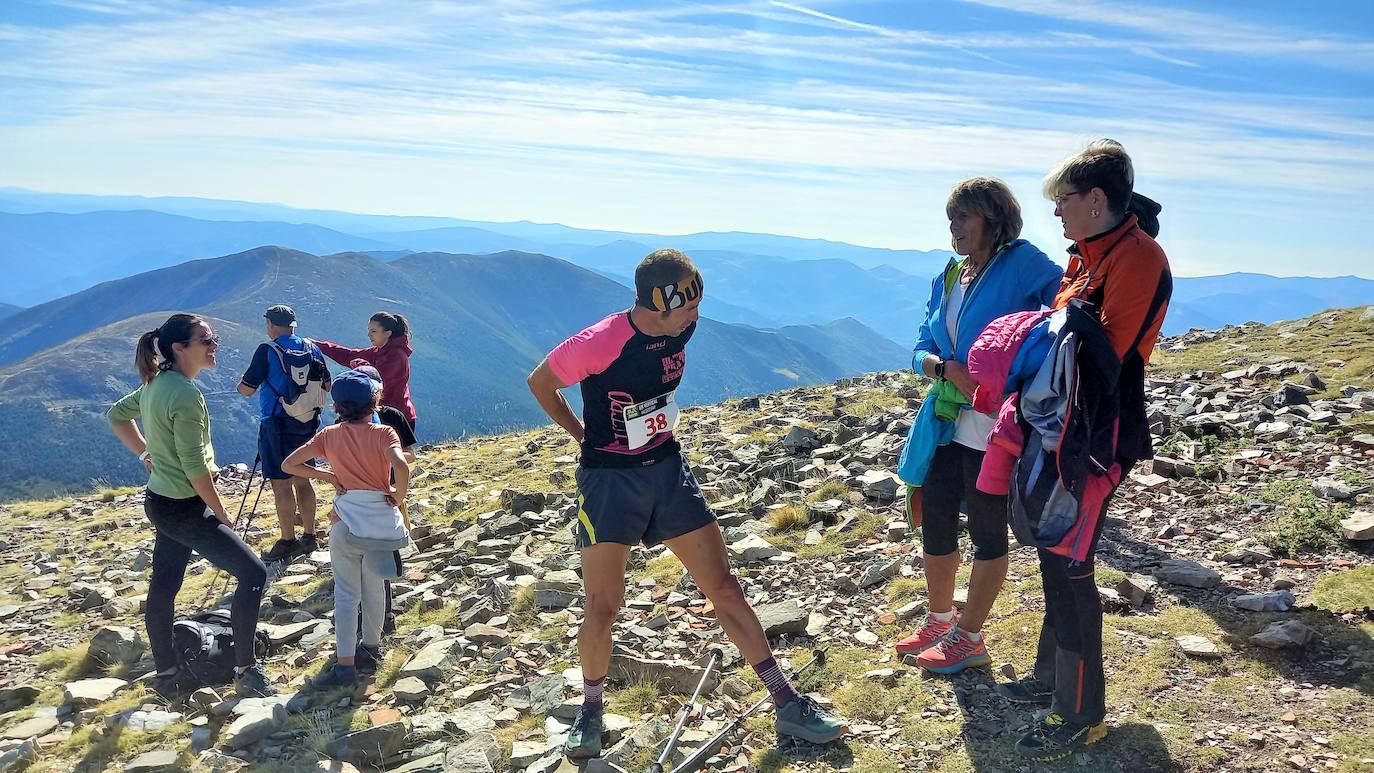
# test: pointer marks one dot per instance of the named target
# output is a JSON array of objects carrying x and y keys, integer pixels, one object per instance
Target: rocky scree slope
[{"x": 1237, "y": 571}]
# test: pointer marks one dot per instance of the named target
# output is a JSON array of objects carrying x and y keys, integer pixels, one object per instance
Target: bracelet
[{"x": 145, "y": 456}]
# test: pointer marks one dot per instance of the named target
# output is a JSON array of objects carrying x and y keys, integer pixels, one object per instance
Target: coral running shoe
[
  {"x": 930, "y": 632},
  {"x": 954, "y": 653}
]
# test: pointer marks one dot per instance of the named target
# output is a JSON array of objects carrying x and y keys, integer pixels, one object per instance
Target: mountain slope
[
  {"x": 481, "y": 323},
  {"x": 9, "y": 310}
]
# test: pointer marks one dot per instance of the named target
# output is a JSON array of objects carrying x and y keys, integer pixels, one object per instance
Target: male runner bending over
[{"x": 634, "y": 486}]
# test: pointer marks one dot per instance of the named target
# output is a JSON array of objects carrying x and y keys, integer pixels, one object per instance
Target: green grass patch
[
  {"x": 69, "y": 663},
  {"x": 507, "y": 736},
  {"x": 874, "y": 402},
  {"x": 1306, "y": 523},
  {"x": 904, "y": 590},
  {"x": 788, "y": 518},
  {"x": 666, "y": 570},
  {"x": 523, "y": 612},
  {"x": 1351, "y": 590},
  {"x": 634, "y": 700},
  {"x": 831, "y": 489}
]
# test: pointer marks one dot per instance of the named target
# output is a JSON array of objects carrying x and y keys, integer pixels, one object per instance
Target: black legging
[
  {"x": 184, "y": 525},
  {"x": 952, "y": 480}
]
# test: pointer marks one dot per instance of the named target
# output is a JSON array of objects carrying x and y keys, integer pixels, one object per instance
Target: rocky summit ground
[{"x": 1237, "y": 569}]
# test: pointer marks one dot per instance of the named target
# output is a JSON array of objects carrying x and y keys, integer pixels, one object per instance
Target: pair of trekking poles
[
  {"x": 239, "y": 525},
  {"x": 698, "y": 758}
]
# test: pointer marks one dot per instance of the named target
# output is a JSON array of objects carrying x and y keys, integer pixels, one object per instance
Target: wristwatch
[{"x": 939, "y": 369}]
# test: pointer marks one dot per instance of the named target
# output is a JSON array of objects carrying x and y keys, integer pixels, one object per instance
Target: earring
[{"x": 1094, "y": 213}]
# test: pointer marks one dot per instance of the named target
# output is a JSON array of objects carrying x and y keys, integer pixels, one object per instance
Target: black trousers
[
  {"x": 183, "y": 525},
  {"x": 1069, "y": 654}
]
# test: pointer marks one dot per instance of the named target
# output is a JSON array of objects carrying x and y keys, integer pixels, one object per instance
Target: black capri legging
[
  {"x": 951, "y": 481},
  {"x": 183, "y": 526}
]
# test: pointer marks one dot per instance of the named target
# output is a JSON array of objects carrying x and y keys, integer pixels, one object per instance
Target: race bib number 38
[{"x": 645, "y": 421}]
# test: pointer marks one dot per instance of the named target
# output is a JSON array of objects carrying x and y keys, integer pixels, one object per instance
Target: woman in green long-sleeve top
[{"x": 181, "y": 501}]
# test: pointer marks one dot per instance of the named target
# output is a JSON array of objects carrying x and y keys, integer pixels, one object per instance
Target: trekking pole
[
  {"x": 717, "y": 654},
  {"x": 708, "y": 749},
  {"x": 246, "y": 487},
  {"x": 220, "y": 574}
]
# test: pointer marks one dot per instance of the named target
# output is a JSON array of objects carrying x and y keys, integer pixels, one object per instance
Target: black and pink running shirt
[{"x": 628, "y": 380}]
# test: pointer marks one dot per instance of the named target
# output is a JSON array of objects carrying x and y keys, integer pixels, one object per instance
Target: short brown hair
[
  {"x": 994, "y": 201},
  {"x": 660, "y": 268},
  {"x": 1102, "y": 164}
]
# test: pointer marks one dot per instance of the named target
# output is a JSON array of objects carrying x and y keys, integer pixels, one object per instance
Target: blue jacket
[{"x": 1018, "y": 278}]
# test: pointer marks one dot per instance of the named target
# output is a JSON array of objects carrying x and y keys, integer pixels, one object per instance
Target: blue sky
[{"x": 1250, "y": 121}]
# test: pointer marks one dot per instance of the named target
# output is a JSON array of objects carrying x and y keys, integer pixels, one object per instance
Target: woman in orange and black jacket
[{"x": 1118, "y": 268}]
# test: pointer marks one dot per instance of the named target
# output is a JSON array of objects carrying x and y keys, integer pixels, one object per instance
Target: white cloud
[{"x": 792, "y": 118}]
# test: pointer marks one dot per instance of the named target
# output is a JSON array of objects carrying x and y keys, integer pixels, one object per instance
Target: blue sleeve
[
  {"x": 1042, "y": 277},
  {"x": 925, "y": 342},
  {"x": 257, "y": 369}
]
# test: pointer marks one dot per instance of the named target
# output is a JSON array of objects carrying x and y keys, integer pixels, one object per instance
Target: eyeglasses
[
  {"x": 1063, "y": 197},
  {"x": 210, "y": 340}
]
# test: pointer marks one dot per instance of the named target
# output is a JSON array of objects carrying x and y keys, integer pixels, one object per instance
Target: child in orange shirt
[{"x": 368, "y": 519}]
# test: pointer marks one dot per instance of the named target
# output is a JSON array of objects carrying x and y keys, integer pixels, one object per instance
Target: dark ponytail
[
  {"x": 176, "y": 330},
  {"x": 392, "y": 323}
]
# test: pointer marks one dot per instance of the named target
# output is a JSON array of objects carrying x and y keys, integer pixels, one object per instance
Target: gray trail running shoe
[
  {"x": 252, "y": 682},
  {"x": 806, "y": 719},
  {"x": 584, "y": 739}
]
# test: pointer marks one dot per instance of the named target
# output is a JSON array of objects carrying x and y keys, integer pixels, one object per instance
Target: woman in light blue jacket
[{"x": 995, "y": 273}]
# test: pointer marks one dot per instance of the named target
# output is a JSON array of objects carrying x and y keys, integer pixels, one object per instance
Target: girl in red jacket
[{"x": 390, "y": 354}]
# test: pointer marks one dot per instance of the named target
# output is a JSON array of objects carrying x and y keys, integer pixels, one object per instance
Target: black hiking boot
[
  {"x": 367, "y": 659},
  {"x": 337, "y": 675},
  {"x": 1055, "y": 737},
  {"x": 282, "y": 550},
  {"x": 1027, "y": 690}
]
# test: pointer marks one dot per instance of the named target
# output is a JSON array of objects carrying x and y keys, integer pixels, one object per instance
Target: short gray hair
[{"x": 1102, "y": 164}]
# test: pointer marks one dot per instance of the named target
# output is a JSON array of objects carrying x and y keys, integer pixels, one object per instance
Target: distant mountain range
[
  {"x": 481, "y": 324},
  {"x": 56, "y": 244}
]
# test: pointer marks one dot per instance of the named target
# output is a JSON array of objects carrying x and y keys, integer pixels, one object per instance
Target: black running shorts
[{"x": 629, "y": 505}]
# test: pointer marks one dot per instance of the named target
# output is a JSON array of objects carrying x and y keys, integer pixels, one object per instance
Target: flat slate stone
[
  {"x": 31, "y": 728},
  {"x": 89, "y": 692},
  {"x": 152, "y": 762}
]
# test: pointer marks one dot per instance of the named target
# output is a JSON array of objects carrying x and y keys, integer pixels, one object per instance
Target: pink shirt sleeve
[{"x": 592, "y": 350}]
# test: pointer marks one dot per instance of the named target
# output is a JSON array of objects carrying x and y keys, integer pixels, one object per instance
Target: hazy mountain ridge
[
  {"x": 481, "y": 324},
  {"x": 755, "y": 279}
]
